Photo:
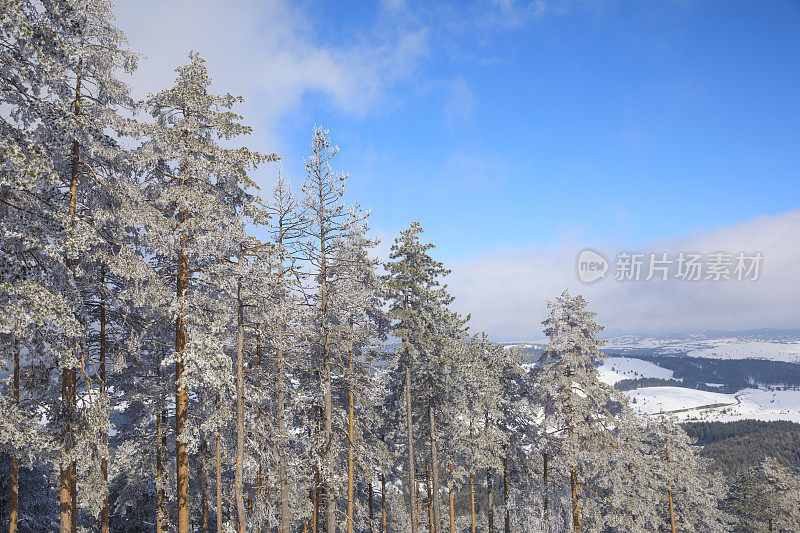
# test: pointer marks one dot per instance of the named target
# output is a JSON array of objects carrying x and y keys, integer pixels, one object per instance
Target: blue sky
[
  {"x": 627, "y": 122},
  {"x": 521, "y": 130}
]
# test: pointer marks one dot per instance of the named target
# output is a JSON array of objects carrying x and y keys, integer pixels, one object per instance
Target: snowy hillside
[
  {"x": 773, "y": 345},
  {"x": 772, "y": 351},
  {"x": 695, "y": 405},
  {"x": 615, "y": 369}
]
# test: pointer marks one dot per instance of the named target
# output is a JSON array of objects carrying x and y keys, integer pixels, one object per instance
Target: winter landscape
[{"x": 548, "y": 284}]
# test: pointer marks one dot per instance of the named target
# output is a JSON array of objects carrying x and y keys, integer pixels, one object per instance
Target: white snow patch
[
  {"x": 696, "y": 405},
  {"x": 652, "y": 400},
  {"x": 615, "y": 369}
]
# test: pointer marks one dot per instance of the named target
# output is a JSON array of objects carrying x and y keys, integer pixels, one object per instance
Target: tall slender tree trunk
[
  {"x": 181, "y": 400},
  {"x": 576, "y": 516},
  {"x": 330, "y": 500},
  {"x": 545, "y": 502},
  {"x": 315, "y": 500},
  {"x": 471, "y": 488},
  {"x": 203, "y": 486},
  {"x": 434, "y": 502},
  {"x": 283, "y": 482},
  {"x": 472, "y": 501},
  {"x": 218, "y": 458},
  {"x": 383, "y": 503},
  {"x": 103, "y": 389},
  {"x": 14, "y": 511},
  {"x": 241, "y": 511},
  {"x": 430, "y": 496},
  {"x": 452, "y": 498},
  {"x": 489, "y": 489},
  {"x": 161, "y": 446},
  {"x": 489, "y": 501},
  {"x": 67, "y": 511},
  {"x": 412, "y": 486},
  {"x": 412, "y": 473},
  {"x": 73, "y": 490},
  {"x": 419, "y": 513},
  {"x": 350, "y": 436},
  {"x": 507, "y": 522},
  {"x": 371, "y": 516}
]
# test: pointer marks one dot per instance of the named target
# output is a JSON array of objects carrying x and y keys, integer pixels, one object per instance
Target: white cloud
[
  {"x": 506, "y": 291},
  {"x": 268, "y": 52}
]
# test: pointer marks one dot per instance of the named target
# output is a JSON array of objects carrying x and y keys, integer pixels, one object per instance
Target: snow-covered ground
[
  {"x": 697, "y": 405},
  {"x": 767, "y": 344},
  {"x": 615, "y": 369},
  {"x": 773, "y": 351}
]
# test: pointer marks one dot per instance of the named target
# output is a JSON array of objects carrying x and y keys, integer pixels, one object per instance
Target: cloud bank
[{"x": 506, "y": 291}]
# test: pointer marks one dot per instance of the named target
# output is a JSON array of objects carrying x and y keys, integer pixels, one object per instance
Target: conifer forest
[{"x": 182, "y": 351}]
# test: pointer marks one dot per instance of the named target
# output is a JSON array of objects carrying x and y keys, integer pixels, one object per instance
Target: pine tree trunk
[
  {"x": 576, "y": 517},
  {"x": 472, "y": 501},
  {"x": 241, "y": 512},
  {"x": 383, "y": 503},
  {"x": 411, "y": 468},
  {"x": 330, "y": 503},
  {"x": 419, "y": 513},
  {"x": 315, "y": 501},
  {"x": 161, "y": 446},
  {"x": 218, "y": 458},
  {"x": 181, "y": 402},
  {"x": 65, "y": 502},
  {"x": 73, "y": 493},
  {"x": 452, "y": 498},
  {"x": 507, "y": 523},
  {"x": 67, "y": 511},
  {"x": 14, "y": 511},
  {"x": 489, "y": 502},
  {"x": 282, "y": 443},
  {"x": 371, "y": 515},
  {"x": 203, "y": 488},
  {"x": 489, "y": 488},
  {"x": 430, "y": 496},
  {"x": 103, "y": 388},
  {"x": 434, "y": 502},
  {"x": 545, "y": 516},
  {"x": 350, "y": 438}
]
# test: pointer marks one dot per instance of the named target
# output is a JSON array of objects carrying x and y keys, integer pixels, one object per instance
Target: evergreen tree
[
  {"x": 584, "y": 422},
  {"x": 329, "y": 226},
  {"x": 427, "y": 330},
  {"x": 196, "y": 187}
]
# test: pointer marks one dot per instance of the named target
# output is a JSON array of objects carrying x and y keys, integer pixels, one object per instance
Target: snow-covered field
[
  {"x": 697, "y": 405},
  {"x": 615, "y": 369},
  {"x": 773, "y": 351},
  {"x": 776, "y": 346}
]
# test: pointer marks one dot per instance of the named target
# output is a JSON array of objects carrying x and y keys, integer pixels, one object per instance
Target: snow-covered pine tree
[
  {"x": 328, "y": 226},
  {"x": 687, "y": 493},
  {"x": 357, "y": 298},
  {"x": 39, "y": 323},
  {"x": 751, "y": 502},
  {"x": 76, "y": 54},
  {"x": 427, "y": 330},
  {"x": 282, "y": 332},
  {"x": 785, "y": 485},
  {"x": 582, "y": 434},
  {"x": 196, "y": 186},
  {"x": 764, "y": 498}
]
